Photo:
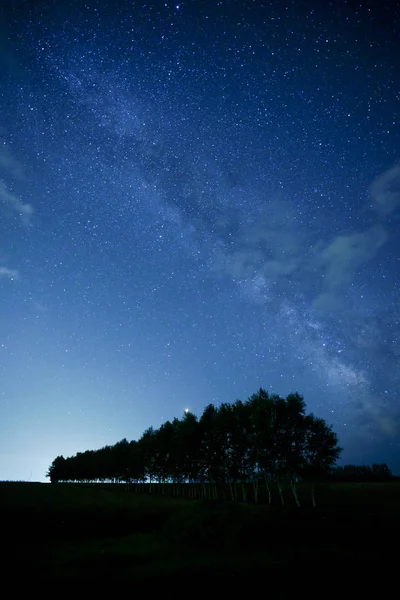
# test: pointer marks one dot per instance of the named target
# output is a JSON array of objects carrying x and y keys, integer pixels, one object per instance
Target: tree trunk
[
  {"x": 255, "y": 486},
  {"x": 268, "y": 489},
  {"x": 313, "y": 496},
  {"x": 296, "y": 497},
  {"x": 244, "y": 492},
  {"x": 232, "y": 491},
  {"x": 280, "y": 492}
]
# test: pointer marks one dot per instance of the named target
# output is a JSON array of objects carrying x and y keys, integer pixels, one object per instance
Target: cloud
[
  {"x": 11, "y": 203},
  {"x": 10, "y": 164},
  {"x": 269, "y": 250},
  {"x": 329, "y": 302},
  {"x": 342, "y": 258},
  {"x": 386, "y": 424},
  {"x": 278, "y": 250},
  {"x": 256, "y": 288},
  {"x": 8, "y": 273},
  {"x": 347, "y": 253},
  {"x": 385, "y": 192},
  {"x": 370, "y": 410},
  {"x": 374, "y": 419}
]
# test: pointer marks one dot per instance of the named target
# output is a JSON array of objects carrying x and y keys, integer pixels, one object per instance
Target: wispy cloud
[
  {"x": 7, "y": 273},
  {"x": 263, "y": 253},
  {"x": 385, "y": 192},
  {"x": 347, "y": 253},
  {"x": 340, "y": 260},
  {"x": 278, "y": 250},
  {"x": 13, "y": 204},
  {"x": 386, "y": 423},
  {"x": 343, "y": 258},
  {"x": 10, "y": 164},
  {"x": 10, "y": 204}
]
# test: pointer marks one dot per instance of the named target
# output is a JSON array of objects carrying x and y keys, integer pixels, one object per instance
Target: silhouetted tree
[
  {"x": 147, "y": 445},
  {"x": 188, "y": 446},
  {"x": 261, "y": 439},
  {"x": 320, "y": 451},
  {"x": 56, "y": 470}
]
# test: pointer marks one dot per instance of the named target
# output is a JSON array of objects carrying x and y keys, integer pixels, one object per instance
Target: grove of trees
[{"x": 241, "y": 445}]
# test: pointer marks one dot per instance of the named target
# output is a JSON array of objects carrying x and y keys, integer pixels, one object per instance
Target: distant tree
[
  {"x": 291, "y": 435},
  {"x": 381, "y": 472},
  {"x": 242, "y": 464},
  {"x": 120, "y": 460},
  {"x": 224, "y": 433},
  {"x": 147, "y": 444},
  {"x": 136, "y": 466},
  {"x": 56, "y": 470},
  {"x": 320, "y": 451},
  {"x": 104, "y": 469},
  {"x": 213, "y": 447},
  {"x": 362, "y": 473},
  {"x": 164, "y": 452},
  {"x": 188, "y": 446},
  {"x": 261, "y": 439}
]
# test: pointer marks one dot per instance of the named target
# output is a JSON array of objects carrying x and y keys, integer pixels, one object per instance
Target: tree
[
  {"x": 212, "y": 456},
  {"x": 241, "y": 458},
  {"x": 188, "y": 446},
  {"x": 56, "y": 470},
  {"x": 136, "y": 467},
  {"x": 120, "y": 460},
  {"x": 320, "y": 451},
  {"x": 290, "y": 439},
  {"x": 147, "y": 444},
  {"x": 261, "y": 438},
  {"x": 381, "y": 472},
  {"x": 164, "y": 452}
]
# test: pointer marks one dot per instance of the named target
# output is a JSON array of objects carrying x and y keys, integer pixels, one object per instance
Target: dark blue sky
[{"x": 197, "y": 199}]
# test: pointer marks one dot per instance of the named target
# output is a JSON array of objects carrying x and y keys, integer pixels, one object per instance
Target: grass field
[{"x": 64, "y": 532}]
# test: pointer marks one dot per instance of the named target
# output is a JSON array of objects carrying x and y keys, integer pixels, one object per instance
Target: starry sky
[{"x": 197, "y": 199}]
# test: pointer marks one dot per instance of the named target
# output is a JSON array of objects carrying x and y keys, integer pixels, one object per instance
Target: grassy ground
[{"x": 60, "y": 533}]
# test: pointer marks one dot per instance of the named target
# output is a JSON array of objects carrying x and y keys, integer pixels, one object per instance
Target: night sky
[{"x": 197, "y": 199}]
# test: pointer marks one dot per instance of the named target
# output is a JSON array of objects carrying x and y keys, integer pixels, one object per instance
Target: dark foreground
[{"x": 66, "y": 533}]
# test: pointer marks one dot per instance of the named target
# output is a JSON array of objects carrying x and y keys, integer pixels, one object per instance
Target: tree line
[
  {"x": 362, "y": 473},
  {"x": 262, "y": 440}
]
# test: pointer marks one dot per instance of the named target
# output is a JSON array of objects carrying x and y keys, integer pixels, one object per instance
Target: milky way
[{"x": 196, "y": 199}]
